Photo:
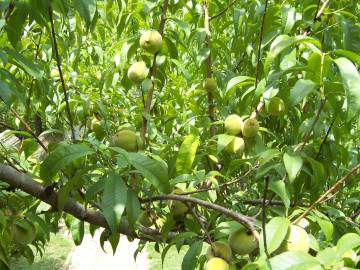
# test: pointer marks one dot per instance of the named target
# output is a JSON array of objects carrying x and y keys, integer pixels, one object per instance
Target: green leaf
[
  {"x": 3, "y": 258},
  {"x": 223, "y": 141},
  {"x": 276, "y": 231},
  {"x": 114, "y": 239},
  {"x": 279, "y": 188},
  {"x": 350, "y": 55},
  {"x": 186, "y": 154},
  {"x": 86, "y": 9},
  {"x": 113, "y": 200},
  {"x": 237, "y": 82},
  {"x": 63, "y": 155},
  {"x": 190, "y": 258},
  {"x": 314, "y": 65},
  {"x": 25, "y": 64},
  {"x": 76, "y": 228},
  {"x": 203, "y": 53},
  {"x": 16, "y": 23},
  {"x": 351, "y": 79},
  {"x": 301, "y": 89},
  {"x": 327, "y": 227},
  {"x": 154, "y": 171},
  {"x": 293, "y": 164},
  {"x": 284, "y": 42},
  {"x": 293, "y": 260},
  {"x": 347, "y": 242},
  {"x": 132, "y": 207}
]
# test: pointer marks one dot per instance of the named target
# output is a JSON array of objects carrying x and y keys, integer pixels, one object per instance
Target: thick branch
[{"x": 27, "y": 184}]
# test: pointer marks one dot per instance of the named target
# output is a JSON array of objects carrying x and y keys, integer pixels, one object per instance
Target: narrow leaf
[
  {"x": 113, "y": 200},
  {"x": 186, "y": 155},
  {"x": 276, "y": 231},
  {"x": 351, "y": 80},
  {"x": 293, "y": 164},
  {"x": 301, "y": 89},
  {"x": 189, "y": 261},
  {"x": 154, "y": 171}
]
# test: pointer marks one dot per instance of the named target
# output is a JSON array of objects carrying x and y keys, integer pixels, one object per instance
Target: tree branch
[
  {"x": 244, "y": 220},
  {"x": 27, "y": 184},
  {"x": 153, "y": 75},
  {"x": 260, "y": 41},
  {"x": 28, "y": 128},
  {"x": 223, "y": 11},
  {"x": 325, "y": 138},
  {"x": 329, "y": 191},
  {"x": 58, "y": 62},
  {"x": 266, "y": 186}
]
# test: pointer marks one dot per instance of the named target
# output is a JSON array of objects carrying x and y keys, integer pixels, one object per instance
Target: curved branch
[
  {"x": 329, "y": 191},
  {"x": 244, "y": 220}
]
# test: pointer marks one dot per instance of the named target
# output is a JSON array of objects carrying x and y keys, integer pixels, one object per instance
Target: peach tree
[{"x": 230, "y": 126}]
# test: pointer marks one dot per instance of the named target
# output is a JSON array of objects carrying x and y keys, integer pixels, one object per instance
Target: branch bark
[{"x": 27, "y": 184}]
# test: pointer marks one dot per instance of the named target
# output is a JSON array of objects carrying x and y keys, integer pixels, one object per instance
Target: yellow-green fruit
[
  {"x": 242, "y": 242},
  {"x": 250, "y": 127},
  {"x": 137, "y": 72},
  {"x": 178, "y": 208},
  {"x": 296, "y": 240},
  {"x": 23, "y": 232},
  {"x": 151, "y": 41},
  {"x": 233, "y": 124},
  {"x": 237, "y": 145},
  {"x": 126, "y": 139},
  {"x": 210, "y": 85},
  {"x": 220, "y": 250},
  {"x": 97, "y": 128},
  {"x": 276, "y": 106},
  {"x": 145, "y": 220},
  {"x": 217, "y": 264},
  {"x": 350, "y": 254},
  {"x": 54, "y": 73}
]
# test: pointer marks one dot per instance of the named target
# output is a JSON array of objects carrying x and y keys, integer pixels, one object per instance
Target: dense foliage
[{"x": 101, "y": 125}]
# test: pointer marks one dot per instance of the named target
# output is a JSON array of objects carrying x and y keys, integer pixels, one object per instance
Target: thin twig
[
  {"x": 260, "y": 41},
  {"x": 356, "y": 213},
  {"x": 58, "y": 62},
  {"x": 198, "y": 219},
  {"x": 330, "y": 190},
  {"x": 307, "y": 134},
  {"x": 221, "y": 185},
  {"x": 153, "y": 71},
  {"x": 266, "y": 186},
  {"x": 28, "y": 128},
  {"x": 28, "y": 101},
  {"x": 208, "y": 65},
  {"x": 325, "y": 138},
  {"x": 223, "y": 11}
]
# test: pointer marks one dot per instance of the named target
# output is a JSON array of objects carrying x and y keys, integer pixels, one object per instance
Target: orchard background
[{"x": 106, "y": 123}]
